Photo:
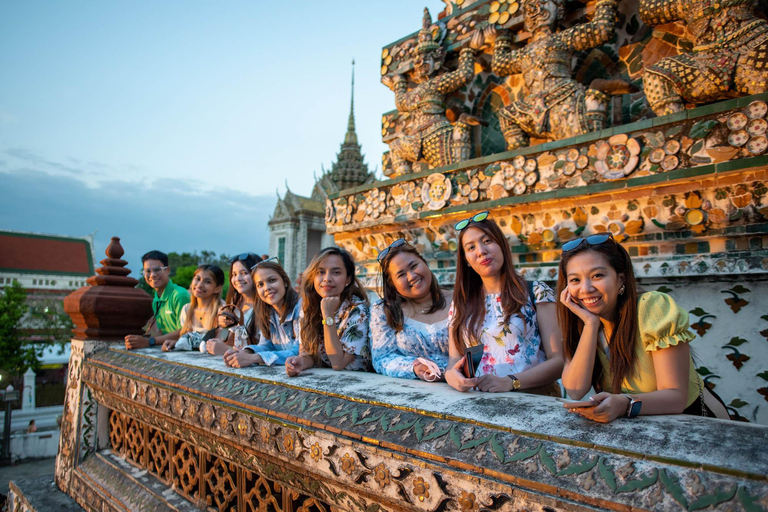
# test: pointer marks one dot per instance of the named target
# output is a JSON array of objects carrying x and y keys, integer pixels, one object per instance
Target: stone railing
[{"x": 147, "y": 430}]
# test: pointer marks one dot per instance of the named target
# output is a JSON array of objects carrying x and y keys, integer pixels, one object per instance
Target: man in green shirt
[{"x": 167, "y": 304}]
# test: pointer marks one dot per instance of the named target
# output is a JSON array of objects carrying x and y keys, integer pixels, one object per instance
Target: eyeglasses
[
  {"x": 154, "y": 270},
  {"x": 242, "y": 257},
  {"x": 478, "y": 217},
  {"x": 598, "y": 239},
  {"x": 273, "y": 258},
  {"x": 393, "y": 245}
]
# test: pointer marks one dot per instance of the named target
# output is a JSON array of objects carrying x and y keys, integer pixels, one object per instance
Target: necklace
[{"x": 423, "y": 311}]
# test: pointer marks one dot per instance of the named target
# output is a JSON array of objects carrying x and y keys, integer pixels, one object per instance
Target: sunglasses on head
[
  {"x": 598, "y": 239},
  {"x": 242, "y": 257},
  {"x": 478, "y": 217},
  {"x": 273, "y": 258},
  {"x": 383, "y": 254}
]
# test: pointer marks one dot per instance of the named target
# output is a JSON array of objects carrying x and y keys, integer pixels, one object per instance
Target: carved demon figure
[
  {"x": 730, "y": 56},
  {"x": 555, "y": 106},
  {"x": 429, "y": 134}
]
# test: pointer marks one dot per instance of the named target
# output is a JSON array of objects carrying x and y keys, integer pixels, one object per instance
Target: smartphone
[
  {"x": 568, "y": 404},
  {"x": 472, "y": 357}
]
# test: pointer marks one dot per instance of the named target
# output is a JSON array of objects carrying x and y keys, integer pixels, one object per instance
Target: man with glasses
[{"x": 167, "y": 303}]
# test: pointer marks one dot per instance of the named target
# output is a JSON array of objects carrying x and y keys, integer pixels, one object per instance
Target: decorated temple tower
[{"x": 297, "y": 227}]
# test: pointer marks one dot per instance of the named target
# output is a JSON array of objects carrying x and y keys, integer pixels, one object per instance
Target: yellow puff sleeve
[{"x": 662, "y": 323}]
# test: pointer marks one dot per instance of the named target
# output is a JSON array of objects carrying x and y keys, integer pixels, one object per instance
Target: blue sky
[{"x": 171, "y": 124}]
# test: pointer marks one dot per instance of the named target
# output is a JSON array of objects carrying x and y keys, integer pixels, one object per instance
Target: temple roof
[{"x": 27, "y": 253}]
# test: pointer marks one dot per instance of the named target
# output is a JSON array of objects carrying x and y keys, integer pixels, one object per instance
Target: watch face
[
  {"x": 329, "y": 320},
  {"x": 634, "y": 409}
]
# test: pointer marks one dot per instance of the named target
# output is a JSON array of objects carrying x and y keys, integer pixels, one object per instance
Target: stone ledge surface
[
  {"x": 39, "y": 494},
  {"x": 720, "y": 446}
]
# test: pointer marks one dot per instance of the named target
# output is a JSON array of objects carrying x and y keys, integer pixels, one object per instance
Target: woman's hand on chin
[
  {"x": 607, "y": 408},
  {"x": 580, "y": 311}
]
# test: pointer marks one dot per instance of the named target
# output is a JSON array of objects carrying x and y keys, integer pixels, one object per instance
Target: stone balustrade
[{"x": 147, "y": 430}]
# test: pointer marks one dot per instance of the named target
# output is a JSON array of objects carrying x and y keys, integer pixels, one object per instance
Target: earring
[{"x": 621, "y": 290}]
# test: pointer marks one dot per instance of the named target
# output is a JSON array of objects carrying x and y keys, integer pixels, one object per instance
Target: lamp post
[{"x": 9, "y": 396}]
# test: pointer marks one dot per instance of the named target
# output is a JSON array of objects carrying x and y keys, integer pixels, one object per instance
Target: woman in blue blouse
[
  {"x": 409, "y": 326},
  {"x": 275, "y": 321}
]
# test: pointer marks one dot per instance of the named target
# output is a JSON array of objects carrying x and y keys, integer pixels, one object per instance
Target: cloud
[
  {"x": 29, "y": 156},
  {"x": 169, "y": 215}
]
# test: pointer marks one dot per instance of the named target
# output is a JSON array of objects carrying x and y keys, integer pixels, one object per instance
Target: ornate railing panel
[{"x": 256, "y": 440}]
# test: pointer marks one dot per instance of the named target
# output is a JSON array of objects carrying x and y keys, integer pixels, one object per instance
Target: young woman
[
  {"x": 334, "y": 316},
  {"x": 241, "y": 292},
  {"x": 275, "y": 322},
  {"x": 632, "y": 349},
  {"x": 492, "y": 306},
  {"x": 409, "y": 326},
  {"x": 199, "y": 316}
]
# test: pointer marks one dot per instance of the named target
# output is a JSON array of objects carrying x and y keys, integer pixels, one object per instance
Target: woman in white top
[
  {"x": 494, "y": 306},
  {"x": 409, "y": 326}
]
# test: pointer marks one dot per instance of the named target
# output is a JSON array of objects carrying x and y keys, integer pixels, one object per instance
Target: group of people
[{"x": 597, "y": 330}]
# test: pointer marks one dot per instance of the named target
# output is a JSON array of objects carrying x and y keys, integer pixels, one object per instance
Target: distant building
[
  {"x": 297, "y": 227},
  {"x": 45, "y": 265},
  {"x": 49, "y": 267}
]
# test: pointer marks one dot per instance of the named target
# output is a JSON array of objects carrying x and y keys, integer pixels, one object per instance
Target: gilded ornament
[
  {"x": 467, "y": 501},
  {"x": 315, "y": 452},
  {"x": 347, "y": 464},
  {"x": 421, "y": 489},
  {"x": 381, "y": 475},
  {"x": 288, "y": 442}
]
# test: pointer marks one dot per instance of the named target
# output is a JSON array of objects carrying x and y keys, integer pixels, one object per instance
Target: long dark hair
[
  {"x": 621, "y": 346},
  {"x": 311, "y": 327},
  {"x": 212, "y": 309},
  {"x": 468, "y": 297},
  {"x": 262, "y": 310},
  {"x": 393, "y": 300},
  {"x": 234, "y": 296}
]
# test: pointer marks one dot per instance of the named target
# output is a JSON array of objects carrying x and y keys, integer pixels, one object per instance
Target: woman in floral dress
[
  {"x": 334, "y": 316},
  {"x": 409, "y": 326},
  {"x": 493, "y": 305}
]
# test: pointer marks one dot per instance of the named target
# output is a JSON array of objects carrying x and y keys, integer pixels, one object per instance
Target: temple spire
[
  {"x": 351, "y": 137},
  {"x": 350, "y": 169}
]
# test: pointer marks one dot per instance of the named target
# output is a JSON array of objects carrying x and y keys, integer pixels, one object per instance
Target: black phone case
[{"x": 474, "y": 355}]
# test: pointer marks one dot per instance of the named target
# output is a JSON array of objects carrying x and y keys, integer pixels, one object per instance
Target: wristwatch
[
  {"x": 328, "y": 321},
  {"x": 515, "y": 383},
  {"x": 152, "y": 341},
  {"x": 634, "y": 407}
]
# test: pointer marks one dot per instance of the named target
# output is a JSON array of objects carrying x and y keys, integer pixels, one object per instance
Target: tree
[
  {"x": 15, "y": 356},
  {"x": 48, "y": 322}
]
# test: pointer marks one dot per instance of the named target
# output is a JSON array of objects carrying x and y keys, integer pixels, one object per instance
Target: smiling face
[
  {"x": 241, "y": 279},
  {"x": 204, "y": 285},
  {"x": 483, "y": 254},
  {"x": 156, "y": 274},
  {"x": 594, "y": 284},
  {"x": 270, "y": 286},
  {"x": 410, "y": 275},
  {"x": 331, "y": 277}
]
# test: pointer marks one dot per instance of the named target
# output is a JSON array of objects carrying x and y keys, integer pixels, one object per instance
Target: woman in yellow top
[{"x": 632, "y": 349}]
